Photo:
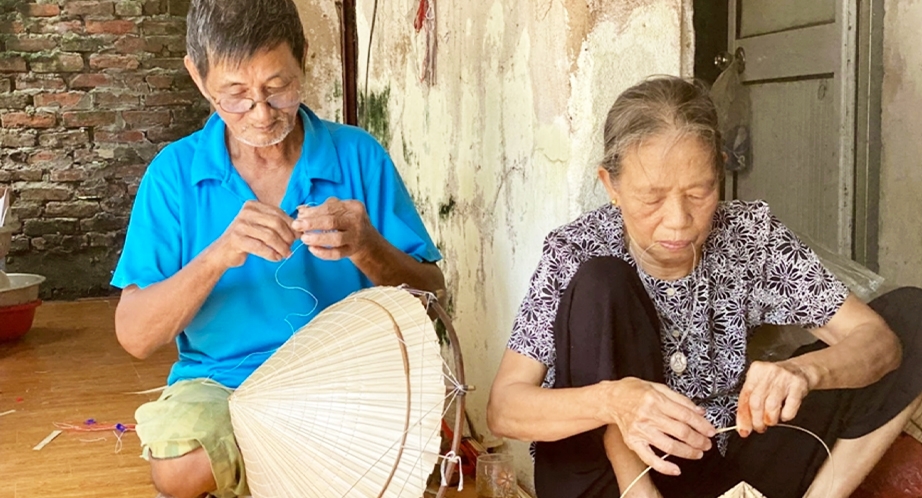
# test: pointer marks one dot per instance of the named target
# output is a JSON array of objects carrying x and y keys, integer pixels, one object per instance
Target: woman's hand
[
  {"x": 771, "y": 394},
  {"x": 652, "y": 415}
]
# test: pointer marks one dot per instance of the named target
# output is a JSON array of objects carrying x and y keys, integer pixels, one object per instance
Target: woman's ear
[{"x": 610, "y": 185}]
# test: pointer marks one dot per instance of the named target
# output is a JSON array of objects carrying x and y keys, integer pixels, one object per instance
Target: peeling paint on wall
[
  {"x": 323, "y": 88},
  {"x": 504, "y": 147}
]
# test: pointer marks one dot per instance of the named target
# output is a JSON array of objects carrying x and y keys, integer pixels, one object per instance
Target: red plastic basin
[{"x": 16, "y": 320}]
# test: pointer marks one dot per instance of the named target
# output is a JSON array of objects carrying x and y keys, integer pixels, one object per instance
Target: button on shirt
[
  {"x": 191, "y": 193},
  {"x": 753, "y": 271}
]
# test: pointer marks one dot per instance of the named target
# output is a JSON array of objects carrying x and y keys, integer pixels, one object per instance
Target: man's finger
[
  {"x": 327, "y": 240},
  {"x": 258, "y": 248},
  {"x": 327, "y": 254},
  {"x": 321, "y": 222},
  {"x": 269, "y": 237}
]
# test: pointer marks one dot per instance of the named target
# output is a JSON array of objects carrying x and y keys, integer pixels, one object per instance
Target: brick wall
[{"x": 89, "y": 92}]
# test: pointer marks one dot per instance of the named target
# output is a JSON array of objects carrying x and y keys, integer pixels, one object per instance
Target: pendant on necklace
[{"x": 678, "y": 362}]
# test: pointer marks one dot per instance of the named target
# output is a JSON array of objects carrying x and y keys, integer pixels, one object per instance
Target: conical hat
[
  {"x": 742, "y": 490},
  {"x": 350, "y": 406}
]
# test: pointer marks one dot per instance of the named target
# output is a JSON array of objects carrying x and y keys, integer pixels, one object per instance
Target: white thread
[
  {"x": 832, "y": 465},
  {"x": 294, "y": 287},
  {"x": 451, "y": 457}
]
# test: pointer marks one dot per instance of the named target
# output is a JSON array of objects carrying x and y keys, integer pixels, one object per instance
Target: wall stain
[
  {"x": 446, "y": 209},
  {"x": 373, "y": 115}
]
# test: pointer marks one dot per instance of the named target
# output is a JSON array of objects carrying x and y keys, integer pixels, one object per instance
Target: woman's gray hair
[
  {"x": 232, "y": 31},
  {"x": 657, "y": 105}
]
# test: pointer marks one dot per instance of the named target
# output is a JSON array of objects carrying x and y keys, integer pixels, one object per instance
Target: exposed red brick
[
  {"x": 142, "y": 119},
  {"x": 68, "y": 175},
  {"x": 85, "y": 8},
  {"x": 49, "y": 159},
  {"x": 128, "y": 9},
  {"x": 130, "y": 44},
  {"x": 44, "y": 192},
  {"x": 63, "y": 100},
  {"x": 40, "y": 9},
  {"x": 90, "y": 80},
  {"x": 60, "y": 63},
  {"x": 17, "y": 138},
  {"x": 69, "y": 138},
  {"x": 109, "y": 100},
  {"x": 30, "y": 43},
  {"x": 27, "y": 120},
  {"x": 174, "y": 43},
  {"x": 117, "y": 27},
  {"x": 84, "y": 43},
  {"x": 160, "y": 81},
  {"x": 11, "y": 27},
  {"x": 28, "y": 175},
  {"x": 15, "y": 101},
  {"x": 173, "y": 63},
  {"x": 172, "y": 98},
  {"x": 77, "y": 119},
  {"x": 39, "y": 82},
  {"x": 72, "y": 209},
  {"x": 129, "y": 136},
  {"x": 12, "y": 64},
  {"x": 152, "y": 27},
  {"x": 133, "y": 81},
  {"x": 111, "y": 61},
  {"x": 59, "y": 27}
]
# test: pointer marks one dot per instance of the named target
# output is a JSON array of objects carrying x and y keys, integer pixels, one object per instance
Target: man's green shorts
[{"x": 194, "y": 414}]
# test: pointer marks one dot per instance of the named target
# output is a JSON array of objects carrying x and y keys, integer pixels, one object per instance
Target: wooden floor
[{"x": 67, "y": 369}]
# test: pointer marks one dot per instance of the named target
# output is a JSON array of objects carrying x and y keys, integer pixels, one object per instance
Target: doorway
[{"x": 813, "y": 70}]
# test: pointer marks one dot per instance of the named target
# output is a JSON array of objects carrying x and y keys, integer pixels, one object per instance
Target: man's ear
[{"x": 196, "y": 77}]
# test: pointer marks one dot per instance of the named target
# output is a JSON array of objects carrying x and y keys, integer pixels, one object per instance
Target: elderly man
[{"x": 212, "y": 258}]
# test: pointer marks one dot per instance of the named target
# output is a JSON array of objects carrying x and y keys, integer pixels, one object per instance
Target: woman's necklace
[{"x": 678, "y": 361}]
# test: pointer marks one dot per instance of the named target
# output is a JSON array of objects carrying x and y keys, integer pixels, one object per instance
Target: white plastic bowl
[{"x": 23, "y": 289}]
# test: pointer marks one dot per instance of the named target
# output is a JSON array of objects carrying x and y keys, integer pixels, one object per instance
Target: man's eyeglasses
[{"x": 283, "y": 100}]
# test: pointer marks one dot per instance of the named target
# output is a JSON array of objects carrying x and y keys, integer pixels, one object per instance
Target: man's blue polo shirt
[{"x": 189, "y": 196}]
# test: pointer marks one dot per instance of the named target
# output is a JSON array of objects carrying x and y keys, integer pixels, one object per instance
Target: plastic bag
[
  {"x": 731, "y": 97},
  {"x": 861, "y": 281}
]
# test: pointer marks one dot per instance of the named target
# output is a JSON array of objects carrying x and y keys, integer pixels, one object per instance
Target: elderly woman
[
  {"x": 211, "y": 260},
  {"x": 638, "y": 317}
]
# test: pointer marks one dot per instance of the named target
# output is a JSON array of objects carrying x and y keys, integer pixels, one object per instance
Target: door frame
[{"x": 868, "y": 143}]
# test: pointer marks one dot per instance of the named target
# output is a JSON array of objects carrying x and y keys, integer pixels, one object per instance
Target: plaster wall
[
  {"x": 901, "y": 170},
  {"x": 323, "y": 87},
  {"x": 504, "y": 146}
]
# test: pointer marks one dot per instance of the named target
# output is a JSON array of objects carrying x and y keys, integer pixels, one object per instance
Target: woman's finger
[
  {"x": 686, "y": 434},
  {"x": 691, "y": 418},
  {"x": 791, "y": 406},
  {"x": 660, "y": 465}
]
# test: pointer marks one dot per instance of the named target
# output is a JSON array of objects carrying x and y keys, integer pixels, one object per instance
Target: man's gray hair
[{"x": 232, "y": 31}]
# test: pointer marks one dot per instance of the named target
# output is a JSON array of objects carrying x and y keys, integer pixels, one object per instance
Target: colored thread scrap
[{"x": 832, "y": 465}]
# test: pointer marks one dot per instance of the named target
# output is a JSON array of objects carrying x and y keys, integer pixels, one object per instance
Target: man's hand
[
  {"x": 771, "y": 394},
  {"x": 336, "y": 229},
  {"x": 258, "y": 229},
  {"x": 652, "y": 415}
]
